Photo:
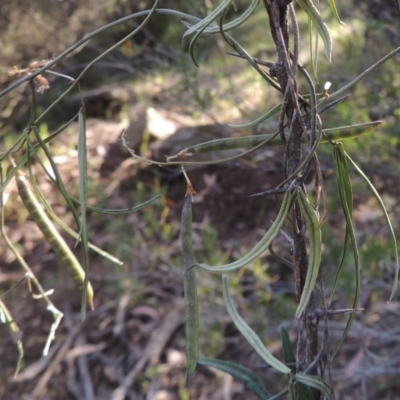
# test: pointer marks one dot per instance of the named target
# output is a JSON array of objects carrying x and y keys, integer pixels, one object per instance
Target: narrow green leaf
[
  {"x": 83, "y": 166},
  {"x": 70, "y": 231},
  {"x": 190, "y": 291},
  {"x": 314, "y": 259},
  {"x": 313, "y": 13},
  {"x": 364, "y": 74},
  {"x": 51, "y": 234},
  {"x": 315, "y": 382},
  {"x": 305, "y": 392},
  {"x": 292, "y": 390},
  {"x": 340, "y": 266},
  {"x": 192, "y": 43},
  {"x": 287, "y": 347},
  {"x": 24, "y": 158},
  {"x": 57, "y": 314},
  {"x": 238, "y": 21},
  {"x": 249, "y": 334},
  {"x": 335, "y": 12},
  {"x": 263, "y": 244},
  {"x": 348, "y": 132},
  {"x": 248, "y": 377},
  {"x": 257, "y": 121},
  {"x": 235, "y": 7},
  {"x": 248, "y": 142},
  {"x": 59, "y": 183},
  {"x": 313, "y": 49},
  {"x": 389, "y": 223},
  {"x": 230, "y": 25},
  {"x": 243, "y": 53},
  {"x": 200, "y": 27},
  {"x": 341, "y": 171},
  {"x": 115, "y": 211},
  {"x": 202, "y": 24},
  {"x": 346, "y": 198},
  {"x": 289, "y": 357},
  {"x": 14, "y": 148}
]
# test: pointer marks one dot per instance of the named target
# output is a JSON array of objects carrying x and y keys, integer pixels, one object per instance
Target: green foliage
[
  {"x": 299, "y": 128},
  {"x": 251, "y": 380}
]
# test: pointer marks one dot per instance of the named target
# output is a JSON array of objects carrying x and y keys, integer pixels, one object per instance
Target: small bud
[
  {"x": 14, "y": 72},
  {"x": 37, "y": 64},
  {"x": 326, "y": 88},
  {"x": 42, "y": 84}
]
